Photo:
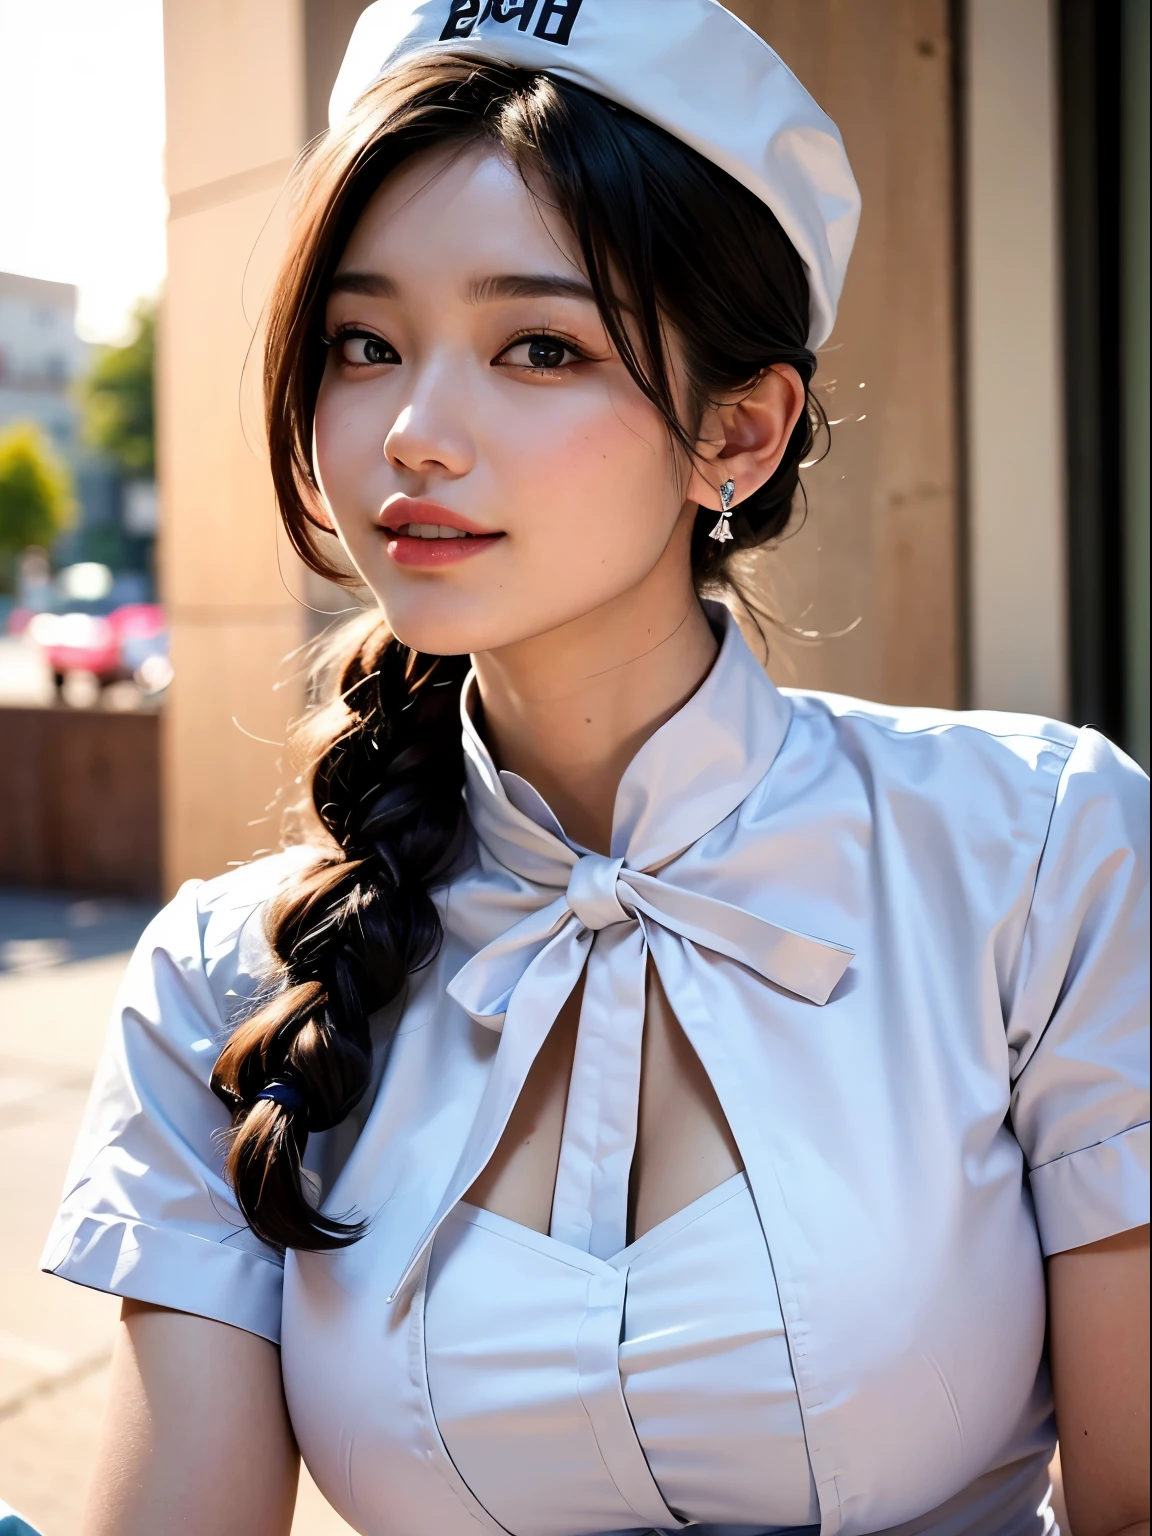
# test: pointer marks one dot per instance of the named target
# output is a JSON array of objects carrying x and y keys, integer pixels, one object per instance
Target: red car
[{"x": 122, "y": 644}]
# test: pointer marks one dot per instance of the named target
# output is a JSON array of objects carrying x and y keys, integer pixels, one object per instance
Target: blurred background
[{"x": 978, "y": 536}]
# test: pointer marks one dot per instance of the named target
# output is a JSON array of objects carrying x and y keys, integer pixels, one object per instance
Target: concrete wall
[
  {"x": 1015, "y": 393},
  {"x": 234, "y": 78},
  {"x": 247, "y": 84},
  {"x": 879, "y": 555}
]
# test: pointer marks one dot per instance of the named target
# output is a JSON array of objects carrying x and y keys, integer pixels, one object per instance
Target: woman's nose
[{"x": 428, "y": 436}]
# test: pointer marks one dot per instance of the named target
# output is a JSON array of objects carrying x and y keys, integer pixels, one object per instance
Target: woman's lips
[
  {"x": 406, "y": 550},
  {"x": 423, "y": 533}
]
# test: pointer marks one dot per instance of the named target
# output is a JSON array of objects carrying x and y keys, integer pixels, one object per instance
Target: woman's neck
[{"x": 569, "y": 709}]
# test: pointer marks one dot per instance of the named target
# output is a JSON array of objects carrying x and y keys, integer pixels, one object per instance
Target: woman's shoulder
[
  {"x": 216, "y": 926},
  {"x": 904, "y": 728},
  {"x": 147, "y": 1211},
  {"x": 1006, "y": 786},
  {"x": 977, "y": 757}
]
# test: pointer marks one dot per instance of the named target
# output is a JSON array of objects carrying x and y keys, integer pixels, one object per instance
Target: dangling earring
[{"x": 722, "y": 530}]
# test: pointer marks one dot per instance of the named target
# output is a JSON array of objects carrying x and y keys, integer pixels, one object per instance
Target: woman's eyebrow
[
  {"x": 374, "y": 284},
  {"x": 482, "y": 290},
  {"x": 528, "y": 285}
]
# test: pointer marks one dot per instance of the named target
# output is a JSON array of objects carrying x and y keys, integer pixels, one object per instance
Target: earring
[{"x": 721, "y": 532}]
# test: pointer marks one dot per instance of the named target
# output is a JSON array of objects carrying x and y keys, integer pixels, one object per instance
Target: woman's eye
[
  {"x": 363, "y": 351},
  {"x": 543, "y": 353}
]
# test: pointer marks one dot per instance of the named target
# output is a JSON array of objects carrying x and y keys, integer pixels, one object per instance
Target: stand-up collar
[{"x": 686, "y": 778}]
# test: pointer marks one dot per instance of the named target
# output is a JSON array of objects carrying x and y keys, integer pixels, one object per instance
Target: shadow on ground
[{"x": 46, "y": 928}]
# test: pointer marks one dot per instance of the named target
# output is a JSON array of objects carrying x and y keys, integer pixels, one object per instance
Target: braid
[{"x": 386, "y": 785}]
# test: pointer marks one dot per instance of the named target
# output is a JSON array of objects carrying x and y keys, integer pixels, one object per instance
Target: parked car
[
  {"x": 131, "y": 642},
  {"x": 142, "y": 634}
]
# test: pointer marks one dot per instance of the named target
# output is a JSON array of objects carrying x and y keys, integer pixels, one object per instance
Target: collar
[{"x": 686, "y": 778}]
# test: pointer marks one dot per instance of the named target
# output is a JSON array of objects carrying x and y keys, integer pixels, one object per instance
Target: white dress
[{"x": 910, "y": 950}]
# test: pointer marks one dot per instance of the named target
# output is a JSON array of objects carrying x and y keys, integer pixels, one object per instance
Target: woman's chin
[{"x": 441, "y": 629}]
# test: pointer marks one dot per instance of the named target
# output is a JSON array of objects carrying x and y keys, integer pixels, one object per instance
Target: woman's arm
[
  {"x": 196, "y": 1436},
  {"x": 1098, "y": 1320}
]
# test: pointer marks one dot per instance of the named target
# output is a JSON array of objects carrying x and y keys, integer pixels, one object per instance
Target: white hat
[{"x": 688, "y": 65}]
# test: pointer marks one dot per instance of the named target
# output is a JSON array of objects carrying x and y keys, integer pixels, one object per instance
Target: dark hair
[{"x": 661, "y": 231}]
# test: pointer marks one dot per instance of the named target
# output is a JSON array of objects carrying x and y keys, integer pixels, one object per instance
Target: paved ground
[{"x": 60, "y": 963}]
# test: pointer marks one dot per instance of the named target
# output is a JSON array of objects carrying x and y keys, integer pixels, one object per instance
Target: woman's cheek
[
  {"x": 587, "y": 463},
  {"x": 349, "y": 453}
]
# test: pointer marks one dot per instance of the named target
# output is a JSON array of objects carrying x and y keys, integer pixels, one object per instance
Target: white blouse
[
  {"x": 910, "y": 950},
  {"x": 652, "y": 1387}
]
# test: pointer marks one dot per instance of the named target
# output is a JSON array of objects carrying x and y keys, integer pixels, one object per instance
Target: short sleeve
[
  {"x": 146, "y": 1211},
  {"x": 1078, "y": 1024}
]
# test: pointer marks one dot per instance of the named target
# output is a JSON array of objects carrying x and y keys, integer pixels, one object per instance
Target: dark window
[{"x": 1090, "y": 152}]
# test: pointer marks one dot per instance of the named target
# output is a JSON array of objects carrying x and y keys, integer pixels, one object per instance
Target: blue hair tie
[{"x": 284, "y": 1093}]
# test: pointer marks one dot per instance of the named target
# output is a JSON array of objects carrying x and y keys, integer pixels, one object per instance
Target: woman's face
[{"x": 487, "y": 462}]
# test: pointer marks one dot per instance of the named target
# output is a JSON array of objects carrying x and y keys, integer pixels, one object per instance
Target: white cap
[{"x": 687, "y": 65}]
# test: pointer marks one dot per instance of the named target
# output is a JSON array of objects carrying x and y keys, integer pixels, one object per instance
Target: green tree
[
  {"x": 116, "y": 399},
  {"x": 36, "y": 497}
]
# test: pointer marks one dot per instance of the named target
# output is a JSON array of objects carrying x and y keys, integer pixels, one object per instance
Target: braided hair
[
  {"x": 347, "y": 932},
  {"x": 668, "y": 240}
]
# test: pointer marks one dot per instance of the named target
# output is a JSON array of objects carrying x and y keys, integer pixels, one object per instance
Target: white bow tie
[
  {"x": 603, "y": 917},
  {"x": 597, "y": 913},
  {"x": 607, "y": 919}
]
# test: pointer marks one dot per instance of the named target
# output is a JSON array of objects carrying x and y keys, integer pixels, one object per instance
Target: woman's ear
[{"x": 744, "y": 439}]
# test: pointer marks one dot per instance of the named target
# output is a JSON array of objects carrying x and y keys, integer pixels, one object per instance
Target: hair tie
[{"x": 284, "y": 1093}]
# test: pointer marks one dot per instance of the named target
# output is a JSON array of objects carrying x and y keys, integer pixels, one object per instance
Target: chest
[
  {"x": 683, "y": 1145},
  {"x": 888, "y": 1191}
]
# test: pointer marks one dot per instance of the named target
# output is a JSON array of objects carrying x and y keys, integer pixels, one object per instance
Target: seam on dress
[
  {"x": 641, "y": 1247},
  {"x": 346, "y": 1460},
  {"x": 684, "y": 1521},
  {"x": 1013, "y": 1077},
  {"x": 806, "y": 1401},
  {"x": 120, "y": 1220},
  {"x": 604, "y": 1462},
  {"x": 947, "y": 1390},
  {"x": 956, "y": 723},
  {"x": 1091, "y": 1147},
  {"x": 522, "y": 1242},
  {"x": 418, "y": 1365}
]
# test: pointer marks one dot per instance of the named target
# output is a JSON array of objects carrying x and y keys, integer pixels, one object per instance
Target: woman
[{"x": 667, "y": 1130}]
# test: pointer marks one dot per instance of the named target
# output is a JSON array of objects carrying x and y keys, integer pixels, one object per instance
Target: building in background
[
  {"x": 79, "y": 786},
  {"x": 41, "y": 356},
  {"x": 42, "y": 367},
  {"x": 978, "y": 535}
]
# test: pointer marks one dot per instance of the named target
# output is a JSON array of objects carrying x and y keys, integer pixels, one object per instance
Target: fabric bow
[
  {"x": 600, "y": 893},
  {"x": 604, "y": 924},
  {"x": 602, "y": 917}
]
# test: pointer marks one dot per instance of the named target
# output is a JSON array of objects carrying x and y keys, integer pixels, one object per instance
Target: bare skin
[
  {"x": 197, "y": 1436},
  {"x": 683, "y": 1145},
  {"x": 580, "y": 614},
  {"x": 1098, "y": 1337}
]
